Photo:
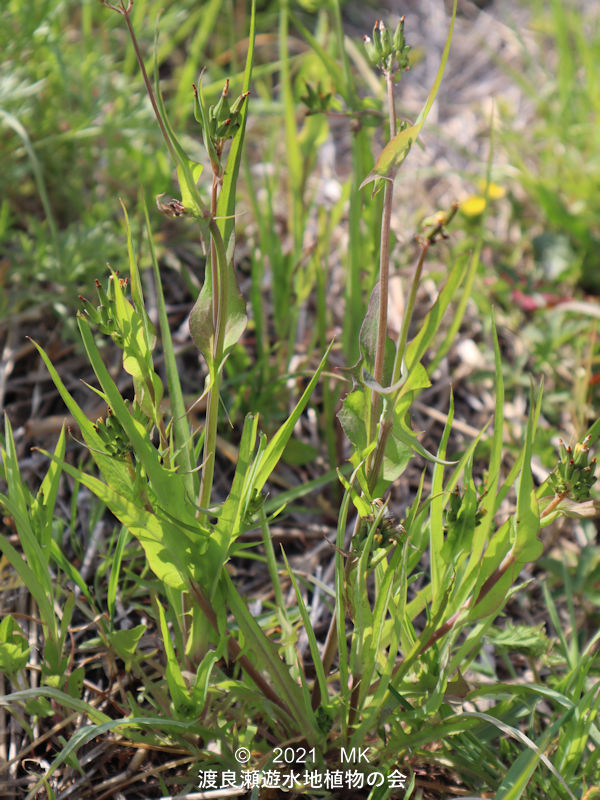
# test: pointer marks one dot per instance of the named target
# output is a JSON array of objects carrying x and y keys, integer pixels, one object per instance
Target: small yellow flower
[
  {"x": 494, "y": 191},
  {"x": 473, "y": 206}
]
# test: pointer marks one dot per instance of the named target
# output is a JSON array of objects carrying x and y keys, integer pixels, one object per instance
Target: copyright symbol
[{"x": 242, "y": 755}]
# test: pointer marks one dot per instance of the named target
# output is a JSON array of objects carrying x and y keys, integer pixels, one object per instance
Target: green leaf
[
  {"x": 275, "y": 448},
  {"x": 489, "y": 503},
  {"x": 516, "y": 780},
  {"x": 403, "y": 433},
  {"x": 168, "y": 486},
  {"x": 14, "y": 650},
  {"x": 187, "y": 198},
  {"x": 392, "y": 156},
  {"x": 231, "y": 515},
  {"x": 368, "y": 339},
  {"x": 33, "y": 569},
  {"x": 460, "y": 532},
  {"x": 125, "y": 643},
  {"x": 89, "y": 732},
  {"x": 74, "y": 685},
  {"x": 113, "y": 581},
  {"x": 363, "y": 507},
  {"x": 138, "y": 339},
  {"x": 416, "y": 380},
  {"x": 114, "y": 471},
  {"x": 171, "y": 553},
  {"x": 436, "y": 523},
  {"x": 201, "y": 323},
  {"x": 27, "y": 575},
  {"x": 54, "y": 663},
  {"x": 45, "y": 499},
  {"x": 137, "y": 294},
  {"x": 527, "y": 547},
  {"x": 69, "y": 569},
  {"x": 497, "y": 549},
  {"x": 310, "y": 634},
  {"x": 203, "y": 673},
  {"x": 430, "y": 326},
  {"x": 182, "y": 701},
  {"x": 353, "y": 416},
  {"x": 397, "y": 456}
]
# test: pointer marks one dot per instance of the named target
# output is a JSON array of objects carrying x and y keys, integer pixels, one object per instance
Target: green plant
[{"x": 413, "y": 598}]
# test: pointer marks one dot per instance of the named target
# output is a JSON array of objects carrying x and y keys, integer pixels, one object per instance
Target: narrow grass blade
[
  {"x": 280, "y": 603},
  {"x": 34, "y": 570},
  {"x": 296, "y": 700},
  {"x": 70, "y": 570},
  {"x": 294, "y": 156},
  {"x": 27, "y": 575},
  {"x": 312, "y": 639},
  {"x": 379, "y": 643},
  {"x": 45, "y": 500},
  {"x": 527, "y": 547},
  {"x": 276, "y": 446},
  {"x": 429, "y": 327},
  {"x": 38, "y": 175},
  {"x": 178, "y": 690},
  {"x": 515, "y": 782},
  {"x": 489, "y": 503},
  {"x": 436, "y": 515},
  {"x": 113, "y": 581}
]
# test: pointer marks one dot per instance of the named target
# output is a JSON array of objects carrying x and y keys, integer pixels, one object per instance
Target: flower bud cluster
[
  {"x": 223, "y": 119},
  {"x": 104, "y": 315},
  {"x": 464, "y": 508},
  {"x": 113, "y": 436},
  {"x": 389, "y": 529},
  {"x": 574, "y": 475},
  {"x": 316, "y": 99},
  {"x": 386, "y": 51}
]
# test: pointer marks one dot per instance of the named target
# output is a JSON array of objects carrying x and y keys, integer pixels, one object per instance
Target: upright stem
[
  {"x": 375, "y": 411},
  {"x": 214, "y": 267},
  {"x": 219, "y": 271},
  {"x": 125, "y": 13},
  {"x": 386, "y": 424},
  {"x": 384, "y": 270}
]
